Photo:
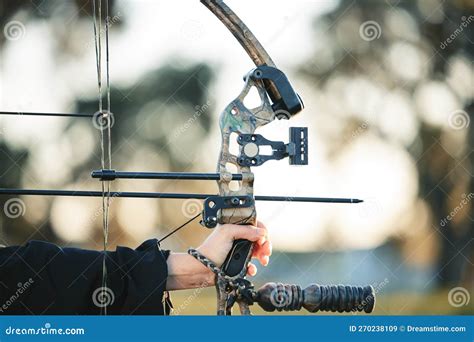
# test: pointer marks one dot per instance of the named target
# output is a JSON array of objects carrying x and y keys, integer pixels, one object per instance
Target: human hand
[{"x": 219, "y": 243}]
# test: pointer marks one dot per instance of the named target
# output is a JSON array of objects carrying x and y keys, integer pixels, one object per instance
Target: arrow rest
[{"x": 213, "y": 204}]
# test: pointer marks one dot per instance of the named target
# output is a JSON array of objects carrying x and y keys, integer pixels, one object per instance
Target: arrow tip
[{"x": 355, "y": 200}]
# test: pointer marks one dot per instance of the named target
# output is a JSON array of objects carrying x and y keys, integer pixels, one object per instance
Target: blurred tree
[
  {"x": 157, "y": 120},
  {"x": 412, "y": 48},
  {"x": 400, "y": 46}
]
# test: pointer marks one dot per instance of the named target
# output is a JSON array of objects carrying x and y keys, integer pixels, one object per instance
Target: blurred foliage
[
  {"x": 152, "y": 114},
  {"x": 48, "y": 8},
  {"x": 147, "y": 103},
  {"x": 151, "y": 119},
  {"x": 419, "y": 28},
  {"x": 146, "y": 118}
]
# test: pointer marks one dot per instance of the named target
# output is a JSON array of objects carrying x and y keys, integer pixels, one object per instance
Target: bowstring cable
[
  {"x": 107, "y": 65},
  {"x": 103, "y": 117}
]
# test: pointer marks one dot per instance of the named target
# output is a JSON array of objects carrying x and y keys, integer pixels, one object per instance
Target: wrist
[
  {"x": 209, "y": 278},
  {"x": 185, "y": 272},
  {"x": 213, "y": 254}
]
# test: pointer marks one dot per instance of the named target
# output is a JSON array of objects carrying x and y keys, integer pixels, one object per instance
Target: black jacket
[{"x": 42, "y": 278}]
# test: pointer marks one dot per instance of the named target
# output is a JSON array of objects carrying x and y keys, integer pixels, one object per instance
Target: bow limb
[
  {"x": 236, "y": 202},
  {"x": 240, "y": 31},
  {"x": 246, "y": 38}
]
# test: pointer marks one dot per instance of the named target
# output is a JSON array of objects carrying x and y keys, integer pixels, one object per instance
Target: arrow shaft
[{"x": 165, "y": 195}]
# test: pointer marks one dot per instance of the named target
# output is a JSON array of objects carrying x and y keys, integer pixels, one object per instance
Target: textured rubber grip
[
  {"x": 237, "y": 258},
  {"x": 342, "y": 298},
  {"x": 335, "y": 298}
]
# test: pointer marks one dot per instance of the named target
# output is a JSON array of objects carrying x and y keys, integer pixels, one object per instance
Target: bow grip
[
  {"x": 241, "y": 251},
  {"x": 238, "y": 257}
]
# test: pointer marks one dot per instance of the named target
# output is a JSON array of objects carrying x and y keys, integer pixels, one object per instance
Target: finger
[
  {"x": 251, "y": 270},
  {"x": 261, "y": 225},
  {"x": 262, "y": 253},
  {"x": 267, "y": 248},
  {"x": 246, "y": 232},
  {"x": 263, "y": 249}
]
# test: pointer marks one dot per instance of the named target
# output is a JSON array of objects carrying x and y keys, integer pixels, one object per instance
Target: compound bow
[{"x": 237, "y": 206}]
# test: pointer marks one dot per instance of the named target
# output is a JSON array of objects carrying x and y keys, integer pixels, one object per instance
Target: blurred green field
[{"x": 203, "y": 302}]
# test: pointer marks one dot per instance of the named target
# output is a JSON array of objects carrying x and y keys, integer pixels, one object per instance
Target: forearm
[{"x": 185, "y": 272}]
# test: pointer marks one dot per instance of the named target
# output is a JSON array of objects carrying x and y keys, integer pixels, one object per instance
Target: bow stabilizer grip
[{"x": 334, "y": 298}]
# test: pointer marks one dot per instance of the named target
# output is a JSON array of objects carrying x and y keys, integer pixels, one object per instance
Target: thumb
[{"x": 246, "y": 232}]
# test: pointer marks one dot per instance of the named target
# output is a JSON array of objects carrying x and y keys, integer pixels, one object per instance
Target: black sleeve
[{"x": 42, "y": 278}]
